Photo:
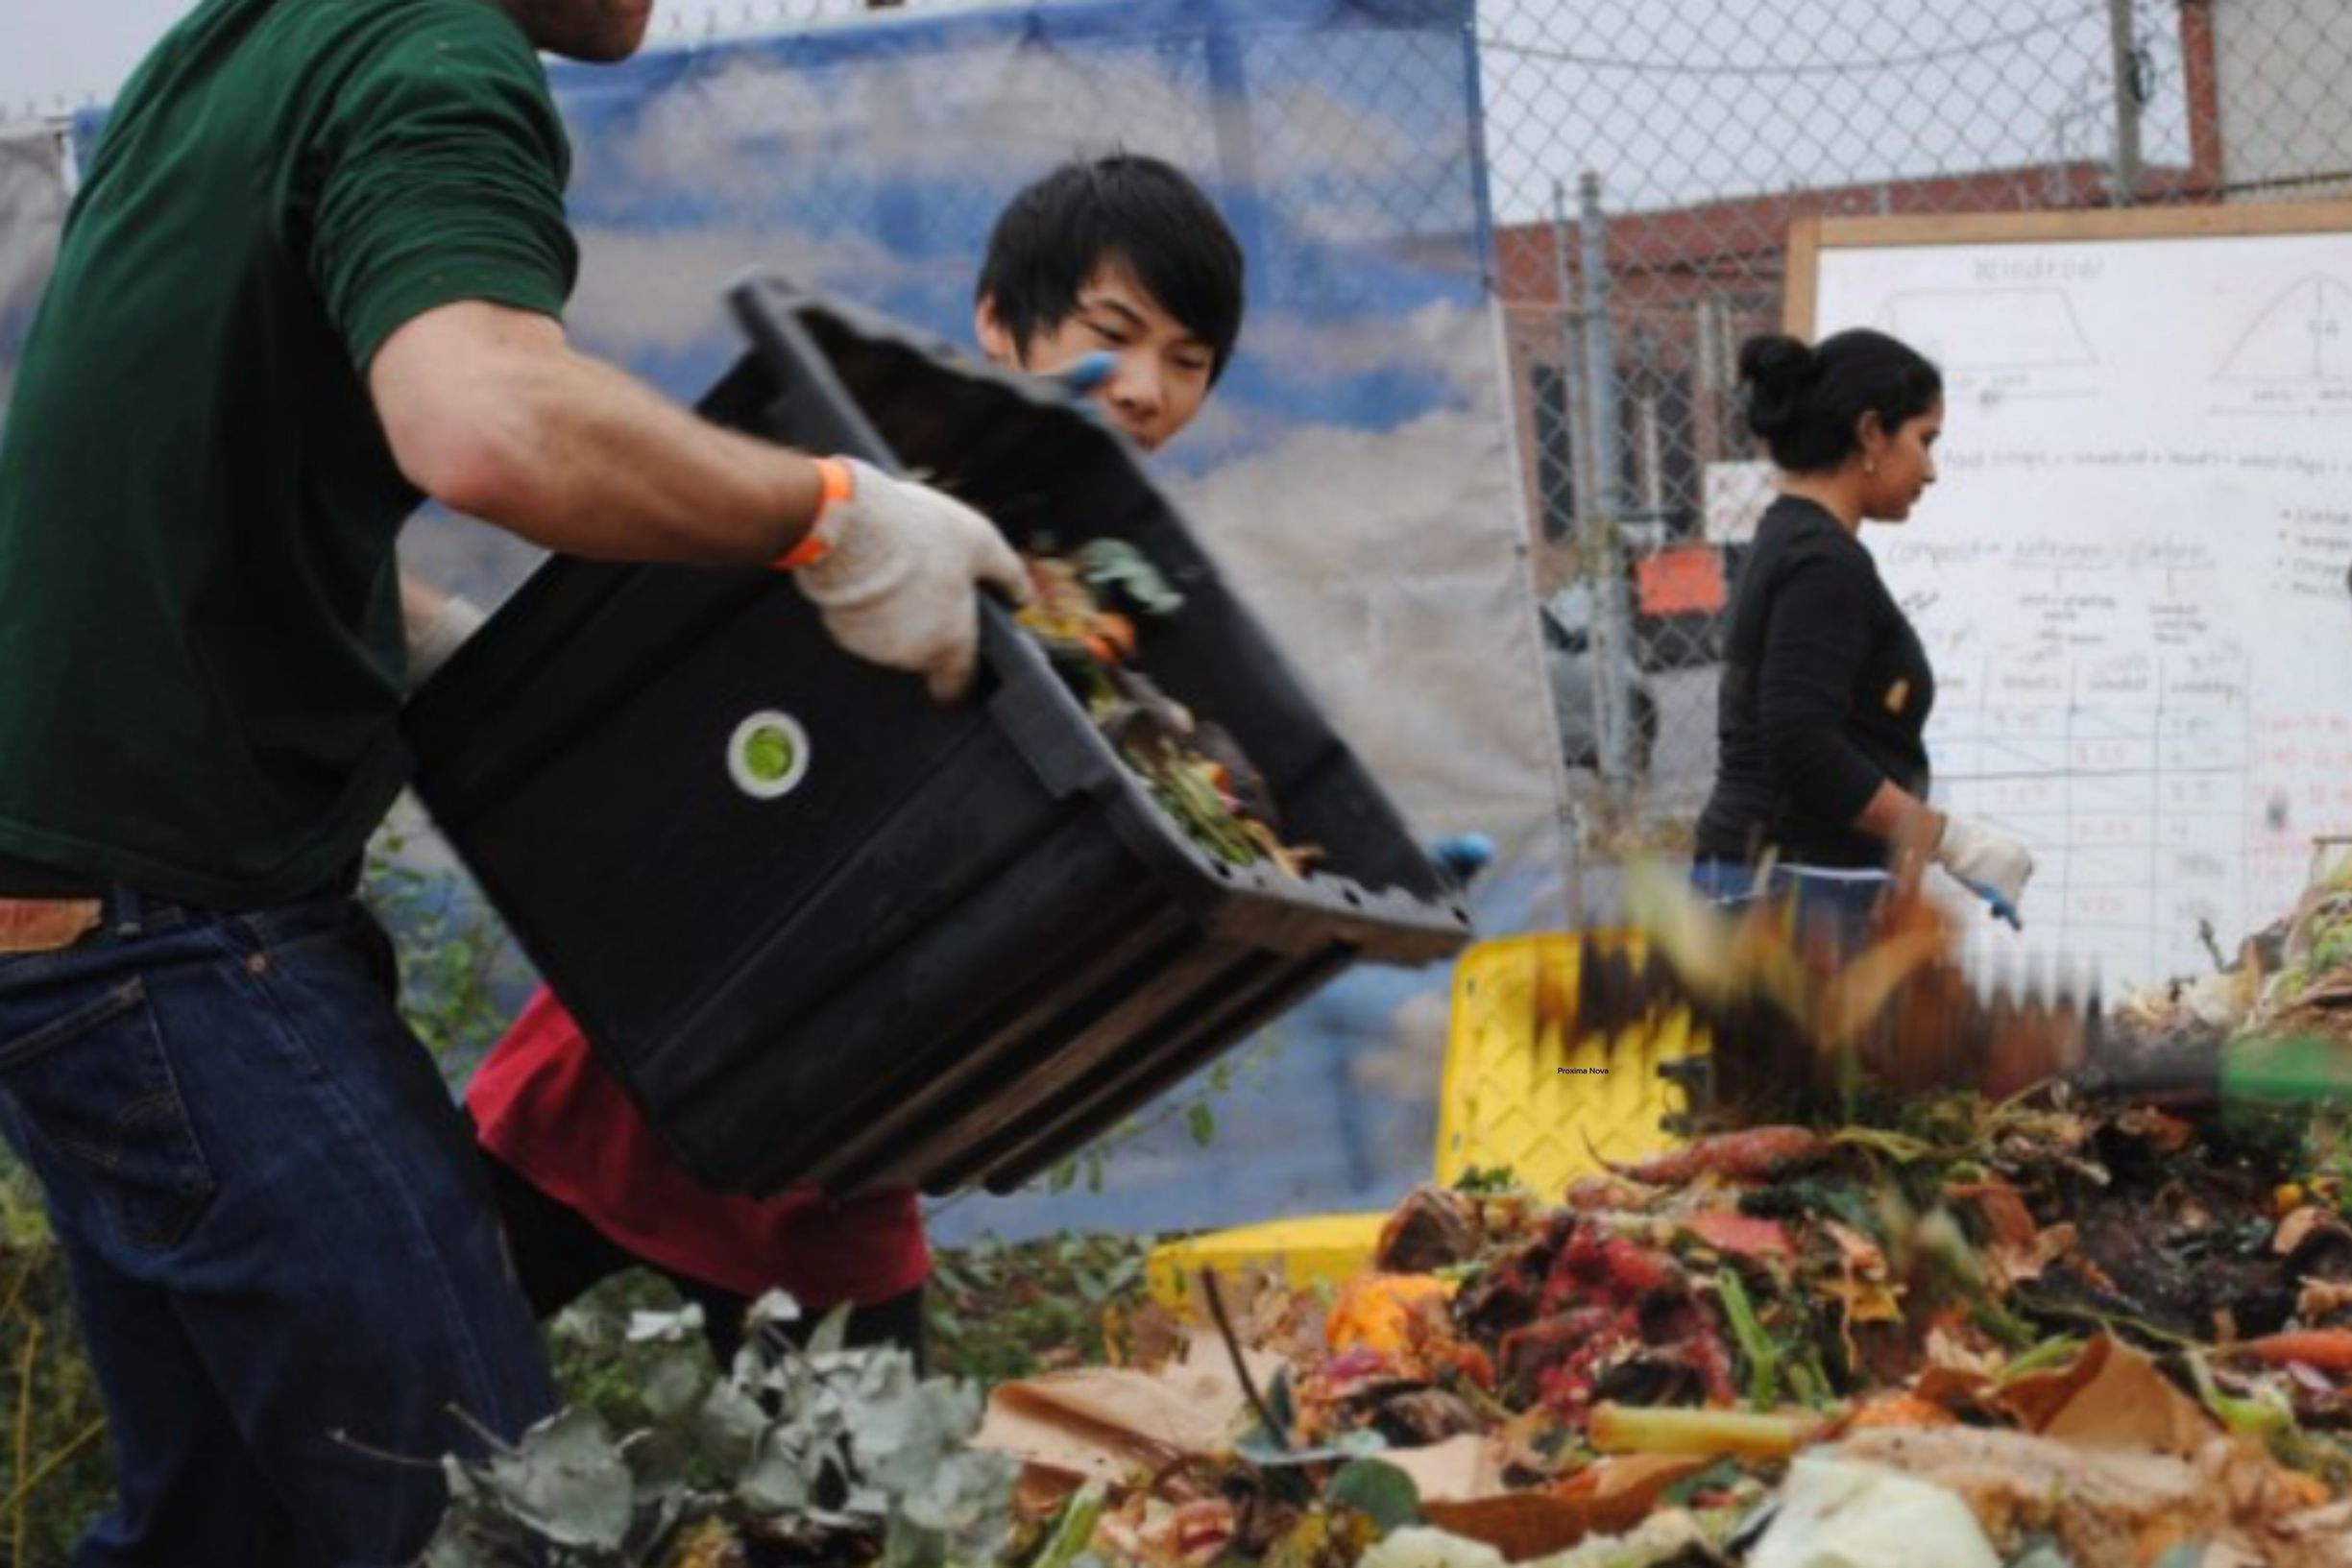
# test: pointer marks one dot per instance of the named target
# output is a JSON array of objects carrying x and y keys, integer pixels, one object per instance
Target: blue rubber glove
[
  {"x": 1988, "y": 862},
  {"x": 1082, "y": 376},
  {"x": 1996, "y": 902},
  {"x": 1463, "y": 855}
]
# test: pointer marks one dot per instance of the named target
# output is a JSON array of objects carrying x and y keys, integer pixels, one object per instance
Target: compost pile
[
  {"x": 1086, "y": 611},
  {"x": 2294, "y": 977},
  {"x": 1934, "y": 1328}
]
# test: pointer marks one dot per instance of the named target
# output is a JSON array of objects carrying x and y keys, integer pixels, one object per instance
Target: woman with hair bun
[{"x": 1826, "y": 689}]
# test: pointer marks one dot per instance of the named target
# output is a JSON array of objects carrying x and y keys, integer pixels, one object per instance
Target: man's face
[
  {"x": 1162, "y": 375},
  {"x": 598, "y": 32}
]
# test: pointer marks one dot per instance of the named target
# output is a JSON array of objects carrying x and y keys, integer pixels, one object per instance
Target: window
[{"x": 1555, "y": 472}]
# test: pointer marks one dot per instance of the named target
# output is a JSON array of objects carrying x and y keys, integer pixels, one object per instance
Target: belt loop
[{"x": 128, "y": 913}]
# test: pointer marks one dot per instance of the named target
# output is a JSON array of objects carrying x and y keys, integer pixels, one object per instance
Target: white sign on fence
[
  {"x": 1735, "y": 496},
  {"x": 2131, "y": 577}
]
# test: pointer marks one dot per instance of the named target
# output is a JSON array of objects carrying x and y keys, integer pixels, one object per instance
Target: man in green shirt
[{"x": 315, "y": 274}]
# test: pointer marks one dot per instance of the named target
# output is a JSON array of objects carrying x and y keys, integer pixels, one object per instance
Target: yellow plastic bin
[
  {"x": 1524, "y": 1089},
  {"x": 1319, "y": 1249}
]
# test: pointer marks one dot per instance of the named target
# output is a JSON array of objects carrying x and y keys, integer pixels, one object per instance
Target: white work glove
[
  {"x": 1988, "y": 862},
  {"x": 896, "y": 582}
]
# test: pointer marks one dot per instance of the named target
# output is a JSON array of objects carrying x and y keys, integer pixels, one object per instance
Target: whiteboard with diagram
[{"x": 2132, "y": 575}]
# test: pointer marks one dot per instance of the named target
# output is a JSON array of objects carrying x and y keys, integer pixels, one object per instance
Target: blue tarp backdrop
[{"x": 1351, "y": 472}]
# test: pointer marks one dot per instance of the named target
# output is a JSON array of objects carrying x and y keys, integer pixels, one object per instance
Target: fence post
[
  {"x": 1604, "y": 539},
  {"x": 2124, "y": 52}
]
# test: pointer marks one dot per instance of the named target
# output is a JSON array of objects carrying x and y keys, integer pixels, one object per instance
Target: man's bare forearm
[
  {"x": 606, "y": 467},
  {"x": 491, "y": 413}
]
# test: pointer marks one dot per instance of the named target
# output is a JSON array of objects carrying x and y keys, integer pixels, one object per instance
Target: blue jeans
[
  {"x": 1836, "y": 901},
  {"x": 280, "y": 1236}
]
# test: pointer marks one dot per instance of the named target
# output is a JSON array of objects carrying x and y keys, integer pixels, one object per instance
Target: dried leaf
[
  {"x": 1435, "y": 1227},
  {"x": 1147, "y": 1337},
  {"x": 1618, "y": 1490},
  {"x": 1519, "y": 1525},
  {"x": 2168, "y": 1133},
  {"x": 2003, "y": 1208},
  {"x": 2017, "y": 1265},
  {"x": 2111, "y": 1396},
  {"x": 2323, "y": 1298},
  {"x": 2300, "y": 1226},
  {"x": 1944, "y": 1351},
  {"x": 1856, "y": 1251},
  {"x": 1896, "y": 1408},
  {"x": 1458, "y": 1470},
  {"x": 1865, "y": 1301}
]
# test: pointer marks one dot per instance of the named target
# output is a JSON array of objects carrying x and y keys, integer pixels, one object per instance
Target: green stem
[
  {"x": 17, "y": 1499},
  {"x": 1755, "y": 1344}
]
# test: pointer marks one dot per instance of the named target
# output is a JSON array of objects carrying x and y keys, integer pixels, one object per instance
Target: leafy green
[
  {"x": 1755, "y": 1346},
  {"x": 1114, "y": 563},
  {"x": 841, "y": 1442},
  {"x": 1487, "y": 1181},
  {"x": 2266, "y": 1414},
  {"x": 567, "y": 1480},
  {"x": 1072, "y": 1533},
  {"x": 1381, "y": 1492}
]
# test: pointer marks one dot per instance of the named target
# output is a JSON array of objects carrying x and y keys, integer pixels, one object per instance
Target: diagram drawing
[
  {"x": 2302, "y": 337},
  {"x": 1988, "y": 331}
]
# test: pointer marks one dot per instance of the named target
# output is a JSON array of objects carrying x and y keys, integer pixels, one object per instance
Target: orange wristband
[{"x": 838, "y": 484}]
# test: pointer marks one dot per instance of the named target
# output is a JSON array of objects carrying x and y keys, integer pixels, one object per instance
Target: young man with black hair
[
  {"x": 1123, "y": 255},
  {"x": 1120, "y": 256}
]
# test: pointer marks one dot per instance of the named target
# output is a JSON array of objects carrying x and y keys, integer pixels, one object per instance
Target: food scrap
[{"x": 1086, "y": 611}]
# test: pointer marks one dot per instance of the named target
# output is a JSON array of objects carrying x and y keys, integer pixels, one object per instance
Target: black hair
[
  {"x": 1124, "y": 210},
  {"x": 1805, "y": 405}
]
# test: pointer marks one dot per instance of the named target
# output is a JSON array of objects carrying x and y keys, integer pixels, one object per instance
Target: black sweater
[{"x": 1826, "y": 693}]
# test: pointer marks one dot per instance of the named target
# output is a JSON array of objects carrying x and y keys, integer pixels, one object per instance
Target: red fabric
[{"x": 545, "y": 1105}]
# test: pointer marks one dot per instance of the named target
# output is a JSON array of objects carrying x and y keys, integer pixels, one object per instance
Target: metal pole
[
  {"x": 1706, "y": 332},
  {"x": 1571, "y": 379},
  {"x": 2124, "y": 55},
  {"x": 1571, "y": 407},
  {"x": 1612, "y": 619}
]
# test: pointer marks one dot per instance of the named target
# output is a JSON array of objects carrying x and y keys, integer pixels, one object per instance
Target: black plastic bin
[{"x": 966, "y": 941}]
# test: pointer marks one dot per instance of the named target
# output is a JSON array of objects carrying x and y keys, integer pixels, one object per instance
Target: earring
[{"x": 1870, "y": 466}]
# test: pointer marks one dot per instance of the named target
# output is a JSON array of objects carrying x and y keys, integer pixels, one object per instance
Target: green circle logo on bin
[
  {"x": 769, "y": 752},
  {"x": 768, "y": 755}
]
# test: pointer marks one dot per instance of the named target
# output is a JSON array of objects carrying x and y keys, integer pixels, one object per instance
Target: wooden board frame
[{"x": 1809, "y": 238}]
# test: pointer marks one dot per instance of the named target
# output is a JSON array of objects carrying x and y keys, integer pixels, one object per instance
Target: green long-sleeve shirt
[{"x": 199, "y": 636}]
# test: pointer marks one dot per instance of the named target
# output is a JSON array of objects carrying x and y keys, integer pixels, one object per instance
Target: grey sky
[
  {"x": 1672, "y": 100},
  {"x": 53, "y": 55},
  {"x": 56, "y": 55}
]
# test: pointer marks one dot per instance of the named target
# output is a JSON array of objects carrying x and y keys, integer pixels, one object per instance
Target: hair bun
[
  {"x": 1774, "y": 372},
  {"x": 1774, "y": 358}
]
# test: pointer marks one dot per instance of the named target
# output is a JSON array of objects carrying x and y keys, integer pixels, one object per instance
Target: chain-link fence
[{"x": 1646, "y": 160}]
